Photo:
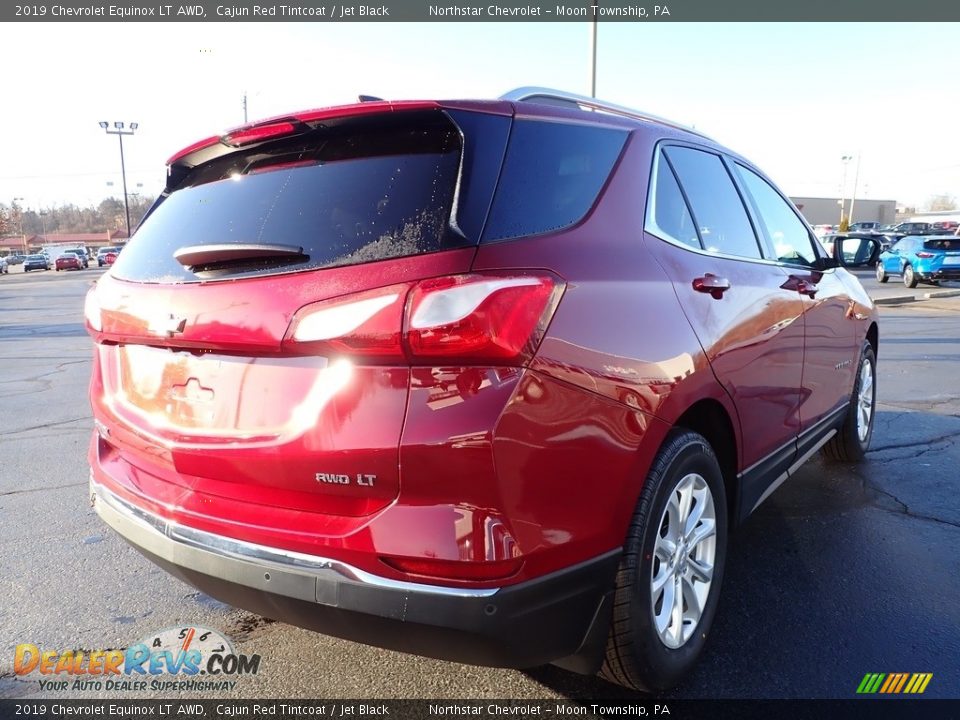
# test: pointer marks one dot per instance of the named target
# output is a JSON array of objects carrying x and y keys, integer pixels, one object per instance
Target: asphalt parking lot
[{"x": 842, "y": 572}]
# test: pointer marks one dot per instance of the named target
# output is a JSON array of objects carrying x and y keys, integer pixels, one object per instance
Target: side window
[
  {"x": 670, "y": 211},
  {"x": 714, "y": 202},
  {"x": 785, "y": 235},
  {"x": 551, "y": 177}
]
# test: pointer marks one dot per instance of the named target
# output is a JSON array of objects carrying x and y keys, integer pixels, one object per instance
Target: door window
[
  {"x": 785, "y": 236},
  {"x": 715, "y": 204}
]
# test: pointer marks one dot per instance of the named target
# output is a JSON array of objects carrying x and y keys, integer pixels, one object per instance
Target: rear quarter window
[
  {"x": 942, "y": 244},
  {"x": 552, "y": 175}
]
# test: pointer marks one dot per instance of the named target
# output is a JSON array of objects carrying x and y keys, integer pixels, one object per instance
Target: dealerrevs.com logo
[{"x": 175, "y": 659}]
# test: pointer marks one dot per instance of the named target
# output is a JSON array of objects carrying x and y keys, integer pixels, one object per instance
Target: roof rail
[{"x": 547, "y": 96}]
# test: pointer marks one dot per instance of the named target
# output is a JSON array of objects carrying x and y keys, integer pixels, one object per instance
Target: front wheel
[
  {"x": 671, "y": 570},
  {"x": 853, "y": 438},
  {"x": 881, "y": 273}
]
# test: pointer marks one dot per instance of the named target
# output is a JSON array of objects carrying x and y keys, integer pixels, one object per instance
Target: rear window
[
  {"x": 942, "y": 244},
  {"x": 350, "y": 193},
  {"x": 551, "y": 177}
]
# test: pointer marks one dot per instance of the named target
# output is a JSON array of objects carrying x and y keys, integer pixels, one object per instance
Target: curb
[
  {"x": 895, "y": 300},
  {"x": 904, "y": 299}
]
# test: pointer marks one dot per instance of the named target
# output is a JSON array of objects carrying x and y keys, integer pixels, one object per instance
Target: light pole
[
  {"x": 856, "y": 177},
  {"x": 593, "y": 51},
  {"x": 843, "y": 183},
  {"x": 120, "y": 132},
  {"x": 43, "y": 222}
]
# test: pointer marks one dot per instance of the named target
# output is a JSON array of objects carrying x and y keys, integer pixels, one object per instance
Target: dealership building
[{"x": 826, "y": 211}]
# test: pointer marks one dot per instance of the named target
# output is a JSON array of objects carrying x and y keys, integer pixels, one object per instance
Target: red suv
[{"x": 481, "y": 380}]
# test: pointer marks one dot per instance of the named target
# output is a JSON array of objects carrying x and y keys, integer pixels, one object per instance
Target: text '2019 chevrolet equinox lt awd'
[{"x": 487, "y": 381}]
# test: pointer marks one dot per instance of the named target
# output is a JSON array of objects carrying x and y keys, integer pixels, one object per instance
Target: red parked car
[
  {"x": 68, "y": 261},
  {"x": 481, "y": 380}
]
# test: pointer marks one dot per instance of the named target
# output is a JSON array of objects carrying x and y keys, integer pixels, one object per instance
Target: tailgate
[{"x": 197, "y": 384}]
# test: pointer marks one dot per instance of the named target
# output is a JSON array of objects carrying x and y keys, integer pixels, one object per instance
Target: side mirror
[{"x": 856, "y": 252}]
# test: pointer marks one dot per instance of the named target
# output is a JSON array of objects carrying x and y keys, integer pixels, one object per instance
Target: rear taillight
[
  {"x": 480, "y": 317},
  {"x": 464, "y": 319},
  {"x": 925, "y": 255},
  {"x": 367, "y": 324}
]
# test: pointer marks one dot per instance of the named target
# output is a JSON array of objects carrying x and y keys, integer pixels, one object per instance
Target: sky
[{"x": 794, "y": 98}]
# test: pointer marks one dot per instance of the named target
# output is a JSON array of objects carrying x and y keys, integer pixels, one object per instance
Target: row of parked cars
[
  {"x": 67, "y": 260},
  {"x": 943, "y": 227}
]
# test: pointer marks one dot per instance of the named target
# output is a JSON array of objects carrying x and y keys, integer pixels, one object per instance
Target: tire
[
  {"x": 639, "y": 655},
  {"x": 910, "y": 278},
  {"x": 882, "y": 276},
  {"x": 852, "y": 440}
]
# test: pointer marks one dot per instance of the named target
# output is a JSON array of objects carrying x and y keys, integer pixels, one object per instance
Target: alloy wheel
[
  {"x": 865, "y": 400},
  {"x": 683, "y": 563}
]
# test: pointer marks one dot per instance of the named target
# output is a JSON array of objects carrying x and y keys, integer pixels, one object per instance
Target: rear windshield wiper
[{"x": 237, "y": 257}]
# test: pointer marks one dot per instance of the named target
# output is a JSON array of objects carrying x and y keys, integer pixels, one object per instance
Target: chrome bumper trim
[{"x": 292, "y": 574}]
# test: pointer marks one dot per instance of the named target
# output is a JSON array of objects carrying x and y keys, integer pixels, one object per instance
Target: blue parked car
[{"x": 929, "y": 258}]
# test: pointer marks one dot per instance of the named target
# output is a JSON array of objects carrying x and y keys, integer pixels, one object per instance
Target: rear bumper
[
  {"x": 952, "y": 273},
  {"x": 561, "y": 616}
]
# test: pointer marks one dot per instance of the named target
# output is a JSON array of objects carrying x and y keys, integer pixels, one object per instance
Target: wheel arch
[
  {"x": 873, "y": 337},
  {"x": 709, "y": 418}
]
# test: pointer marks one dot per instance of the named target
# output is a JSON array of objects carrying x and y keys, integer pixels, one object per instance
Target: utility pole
[
  {"x": 843, "y": 184},
  {"x": 593, "y": 50}
]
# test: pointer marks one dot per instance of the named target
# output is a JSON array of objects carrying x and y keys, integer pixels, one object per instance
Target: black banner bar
[
  {"x": 860, "y": 11},
  {"x": 857, "y": 709}
]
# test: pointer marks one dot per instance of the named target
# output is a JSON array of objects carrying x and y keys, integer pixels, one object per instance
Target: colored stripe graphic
[
  {"x": 894, "y": 683},
  {"x": 903, "y": 681},
  {"x": 870, "y": 683},
  {"x": 891, "y": 680}
]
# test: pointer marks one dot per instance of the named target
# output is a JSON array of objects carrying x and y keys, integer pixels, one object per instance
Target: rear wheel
[
  {"x": 672, "y": 567},
  {"x": 881, "y": 273},
  {"x": 853, "y": 438},
  {"x": 910, "y": 278}
]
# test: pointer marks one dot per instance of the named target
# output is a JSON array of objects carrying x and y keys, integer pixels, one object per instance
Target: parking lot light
[{"x": 120, "y": 132}]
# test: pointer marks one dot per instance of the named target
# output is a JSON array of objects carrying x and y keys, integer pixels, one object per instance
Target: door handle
[
  {"x": 710, "y": 283},
  {"x": 805, "y": 287}
]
